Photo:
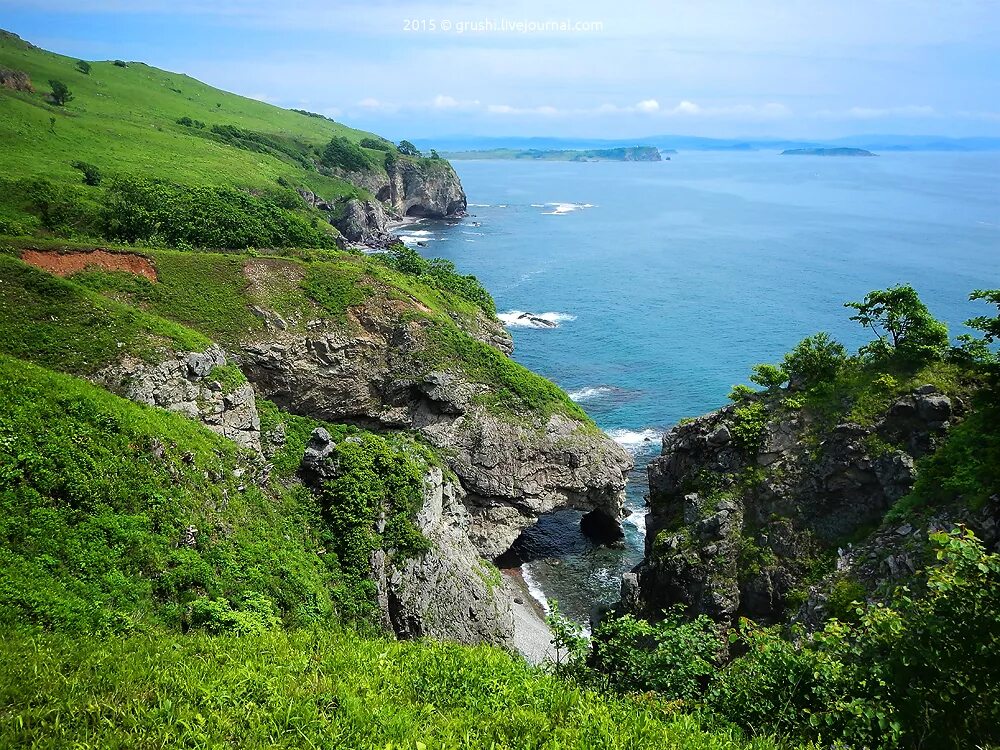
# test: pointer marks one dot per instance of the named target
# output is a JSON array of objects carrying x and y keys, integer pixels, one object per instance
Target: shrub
[
  {"x": 674, "y": 657},
  {"x": 439, "y": 273},
  {"x": 151, "y": 211},
  {"x": 376, "y": 143},
  {"x": 814, "y": 360},
  {"x": 83, "y": 66},
  {"x": 749, "y": 424},
  {"x": 340, "y": 152},
  {"x": 770, "y": 377},
  {"x": 60, "y": 93},
  {"x": 918, "y": 673},
  {"x": 189, "y": 123},
  {"x": 91, "y": 173},
  {"x": 120, "y": 64},
  {"x": 741, "y": 392}
]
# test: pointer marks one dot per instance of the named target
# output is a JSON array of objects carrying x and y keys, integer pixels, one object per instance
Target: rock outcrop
[
  {"x": 740, "y": 527},
  {"x": 448, "y": 592},
  {"x": 421, "y": 188},
  {"x": 374, "y": 369},
  {"x": 364, "y": 223},
  {"x": 189, "y": 384},
  {"x": 511, "y": 469}
]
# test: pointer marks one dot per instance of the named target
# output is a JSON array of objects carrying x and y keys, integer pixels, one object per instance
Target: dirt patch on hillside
[{"x": 65, "y": 264}]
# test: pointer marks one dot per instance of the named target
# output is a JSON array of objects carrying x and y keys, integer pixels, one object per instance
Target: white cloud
[
  {"x": 648, "y": 105},
  {"x": 686, "y": 108},
  {"x": 371, "y": 103}
]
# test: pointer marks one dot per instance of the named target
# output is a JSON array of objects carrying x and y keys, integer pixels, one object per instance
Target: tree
[
  {"x": 340, "y": 152},
  {"x": 903, "y": 325},
  {"x": 407, "y": 149},
  {"x": 814, "y": 360},
  {"x": 768, "y": 376},
  {"x": 989, "y": 326},
  {"x": 435, "y": 154},
  {"x": 83, "y": 66},
  {"x": 60, "y": 92}
]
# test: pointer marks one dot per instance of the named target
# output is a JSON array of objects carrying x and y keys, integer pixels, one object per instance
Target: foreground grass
[{"x": 301, "y": 689}]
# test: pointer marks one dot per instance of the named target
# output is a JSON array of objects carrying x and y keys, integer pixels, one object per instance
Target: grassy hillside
[
  {"x": 310, "y": 690},
  {"x": 124, "y": 120}
]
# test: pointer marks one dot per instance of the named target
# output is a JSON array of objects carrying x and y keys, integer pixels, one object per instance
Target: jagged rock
[
  {"x": 181, "y": 385},
  {"x": 365, "y": 223},
  {"x": 512, "y": 469},
  {"x": 425, "y": 189},
  {"x": 739, "y": 549}
]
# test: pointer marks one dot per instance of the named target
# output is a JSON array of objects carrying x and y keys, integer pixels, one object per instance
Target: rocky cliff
[
  {"x": 405, "y": 188},
  {"x": 761, "y": 510},
  {"x": 377, "y": 371}
]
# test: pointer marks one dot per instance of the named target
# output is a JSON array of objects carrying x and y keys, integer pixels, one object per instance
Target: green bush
[
  {"x": 767, "y": 376},
  {"x": 439, "y": 273},
  {"x": 904, "y": 327},
  {"x": 920, "y": 672},
  {"x": 120, "y": 64},
  {"x": 341, "y": 153},
  {"x": 189, "y": 123},
  {"x": 91, "y": 173},
  {"x": 376, "y": 144},
  {"x": 83, "y": 66},
  {"x": 814, "y": 360},
  {"x": 749, "y": 424},
  {"x": 161, "y": 213},
  {"x": 407, "y": 149}
]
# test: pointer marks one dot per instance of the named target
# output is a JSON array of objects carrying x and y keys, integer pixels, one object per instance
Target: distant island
[
  {"x": 625, "y": 153},
  {"x": 841, "y": 151}
]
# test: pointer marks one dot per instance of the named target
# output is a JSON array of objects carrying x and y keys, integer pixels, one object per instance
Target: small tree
[
  {"x": 83, "y": 66},
  {"x": 91, "y": 174},
  {"x": 814, "y": 360},
  {"x": 60, "y": 92},
  {"x": 903, "y": 324},
  {"x": 407, "y": 149},
  {"x": 771, "y": 377},
  {"x": 435, "y": 154},
  {"x": 121, "y": 64}
]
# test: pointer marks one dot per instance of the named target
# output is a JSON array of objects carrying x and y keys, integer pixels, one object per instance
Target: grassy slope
[
  {"x": 124, "y": 121},
  {"x": 61, "y": 325},
  {"x": 303, "y": 690}
]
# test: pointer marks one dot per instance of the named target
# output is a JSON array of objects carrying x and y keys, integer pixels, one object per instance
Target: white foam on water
[
  {"x": 636, "y": 441},
  {"x": 587, "y": 394},
  {"x": 533, "y": 588},
  {"x": 478, "y": 205},
  {"x": 514, "y": 318},
  {"x": 566, "y": 208},
  {"x": 637, "y": 518}
]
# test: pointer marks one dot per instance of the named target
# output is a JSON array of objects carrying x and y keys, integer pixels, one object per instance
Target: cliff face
[
  {"x": 759, "y": 527},
  {"x": 410, "y": 188},
  {"x": 373, "y": 372}
]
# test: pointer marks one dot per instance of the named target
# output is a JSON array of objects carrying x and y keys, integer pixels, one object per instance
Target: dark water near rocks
[{"x": 669, "y": 280}]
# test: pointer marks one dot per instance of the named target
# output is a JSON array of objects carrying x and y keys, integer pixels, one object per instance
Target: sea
[{"x": 666, "y": 281}]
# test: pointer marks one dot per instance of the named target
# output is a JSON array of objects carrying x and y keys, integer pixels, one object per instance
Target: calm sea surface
[{"x": 669, "y": 280}]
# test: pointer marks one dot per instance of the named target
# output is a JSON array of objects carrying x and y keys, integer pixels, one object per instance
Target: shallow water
[{"x": 667, "y": 281}]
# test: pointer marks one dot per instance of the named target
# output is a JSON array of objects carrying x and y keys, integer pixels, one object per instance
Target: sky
[{"x": 584, "y": 69}]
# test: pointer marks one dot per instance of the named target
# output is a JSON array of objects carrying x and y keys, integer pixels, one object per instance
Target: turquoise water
[{"x": 669, "y": 280}]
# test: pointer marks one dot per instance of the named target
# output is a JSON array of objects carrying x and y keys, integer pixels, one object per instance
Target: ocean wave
[
  {"x": 565, "y": 208},
  {"x": 637, "y": 441},
  {"x": 588, "y": 394},
  {"x": 533, "y": 588},
  {"x": 637, "y": 518},
  {"x": 522, "y": 319},
  {"x": 478, "y": 205}
]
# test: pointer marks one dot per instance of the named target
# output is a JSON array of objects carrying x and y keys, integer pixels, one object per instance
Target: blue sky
[{"x": 730, "y": 68}]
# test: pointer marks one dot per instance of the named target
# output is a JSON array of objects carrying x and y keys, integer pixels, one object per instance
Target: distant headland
[{"x": 841, "y": 151}]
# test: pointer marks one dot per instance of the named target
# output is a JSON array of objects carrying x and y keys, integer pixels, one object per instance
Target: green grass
[
  {"x": 97, "y": 495},
  {"x": 301, "y": 690},
  {"x": 124, "y": 121},
  {"x": 61, "y": 325}
]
